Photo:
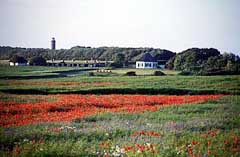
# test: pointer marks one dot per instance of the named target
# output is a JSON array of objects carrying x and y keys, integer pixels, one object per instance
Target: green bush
[
  {"x": 158, "y": 73},
  {"x": 91, "y": 74},
  {"x": 38, "y": 61},
  {"x": 130, "y": 73},
  {"x": 186, "y": 73}
]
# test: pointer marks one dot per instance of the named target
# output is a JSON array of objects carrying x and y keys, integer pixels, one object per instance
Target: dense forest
[{"x": 85, "y": 53}]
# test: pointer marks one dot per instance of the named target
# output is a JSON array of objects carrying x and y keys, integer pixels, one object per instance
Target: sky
[{"x": 175, "y": 25}]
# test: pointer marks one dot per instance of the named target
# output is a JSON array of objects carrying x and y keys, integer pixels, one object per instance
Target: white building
[{"x": 147, "y": 61}]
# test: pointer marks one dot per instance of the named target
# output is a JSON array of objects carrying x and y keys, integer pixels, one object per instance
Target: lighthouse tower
[{"x": 53, "y": 44}]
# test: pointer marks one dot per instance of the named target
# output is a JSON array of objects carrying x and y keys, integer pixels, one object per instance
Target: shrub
[
  {"x": 158, "y": 73},
  {"x": 91, "y": 74},
  {"x": 130, "y": 73},
  {"x": 38, "y": 61},
  {"x": 186, "y": 73},
  {"x": 115, "y": 65},
  {"x": 18, "y": 59}
]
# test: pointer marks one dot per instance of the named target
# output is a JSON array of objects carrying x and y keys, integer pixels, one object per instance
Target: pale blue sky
[{"x": 169, "y": 24}]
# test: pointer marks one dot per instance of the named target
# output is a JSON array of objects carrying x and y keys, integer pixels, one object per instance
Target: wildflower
[
  {"x": 226, "y": 142},
  {"x": 195, "y": 142},
  {"x": 140, "y": 147},
  {"x": 209, "y": 152},
  {"x": 148, "y": 145},
  {"x": 209, "y": 143},
  {"x": 85, "y": 105},
  {"x": 128, "y": 148},
  {"x": 104, "y": 144},
  {"x": 235, "y": 150},
  {"x": 154, "y": 151},
  {"x": 236, "y": 140}
]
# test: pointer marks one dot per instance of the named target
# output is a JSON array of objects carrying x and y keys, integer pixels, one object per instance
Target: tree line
[
  {"x": 85, "y": 53},
  {"x": 199, "y": 61},
  {"x": 205, "y": 62}
]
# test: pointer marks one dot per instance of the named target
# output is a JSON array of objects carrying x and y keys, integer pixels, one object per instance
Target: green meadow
[
  {"x": 210, "y": 128},
  {"x": 19, "y": 80}
]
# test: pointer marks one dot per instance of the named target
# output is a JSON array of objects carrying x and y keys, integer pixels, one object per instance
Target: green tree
[
  {"x": 38, "y": 61},
  {"x": 230, "y": 66},
  {"x": 17, "y": 59},
  {"x": 119, "y": 60}
]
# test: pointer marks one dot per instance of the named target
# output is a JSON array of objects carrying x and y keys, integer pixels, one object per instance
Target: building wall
[
  {"x": 146, "y": 65},
  {"x": 162, "y": 66},
  {"x": 11, "y": 64}
]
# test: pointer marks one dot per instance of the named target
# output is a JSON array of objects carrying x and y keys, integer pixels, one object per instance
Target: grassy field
[
  {"x": 51, "y": 80},
  {"x": 7, "y": 71},
  {"x": 40, "y": 113}
]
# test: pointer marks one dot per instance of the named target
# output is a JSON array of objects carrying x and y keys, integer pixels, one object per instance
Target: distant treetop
[
  {"x": 39, "y": 61},
  {"x": 17, "y": 59}
]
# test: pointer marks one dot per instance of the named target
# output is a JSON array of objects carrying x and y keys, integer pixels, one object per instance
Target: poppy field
[
  {"x": 119, "y": 115},
  {"x": 69, "y": 107}
]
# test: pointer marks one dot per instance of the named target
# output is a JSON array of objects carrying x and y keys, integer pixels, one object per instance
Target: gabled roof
[{"x": 147, "y": 57}]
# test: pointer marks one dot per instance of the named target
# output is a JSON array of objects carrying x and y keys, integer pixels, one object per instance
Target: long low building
[{"x": 77, "y": 64}]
